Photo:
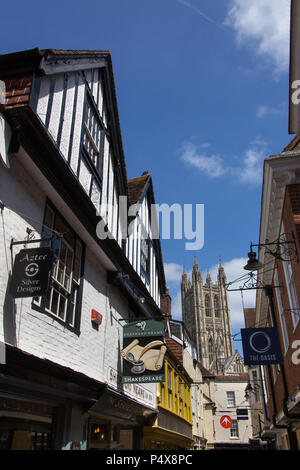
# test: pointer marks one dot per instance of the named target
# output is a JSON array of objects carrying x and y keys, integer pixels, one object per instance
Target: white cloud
[
  {"x": 173, "y": 272},
  {"x": 264, "y": 26},
  {"x": 214, "y": 165},
  {"x": 211, "y": 165},
  {"x": 252, "y": 169},
  {"x": 264, "y": 111}
]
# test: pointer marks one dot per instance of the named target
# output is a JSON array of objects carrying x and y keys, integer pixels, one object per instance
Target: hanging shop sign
[
  {"x": 261, "y": 346},
  {"x": 31, "y": 272},
  {"x": 143, "y": 352}
]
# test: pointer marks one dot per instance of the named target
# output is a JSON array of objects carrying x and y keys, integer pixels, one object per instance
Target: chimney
[{"x": 166, "y": 304}]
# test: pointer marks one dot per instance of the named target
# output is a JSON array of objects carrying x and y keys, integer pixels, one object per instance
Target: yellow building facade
[{"x": 172, "y": 429}]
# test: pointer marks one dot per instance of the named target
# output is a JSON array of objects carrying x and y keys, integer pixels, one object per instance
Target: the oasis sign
[
  {"x": 31, "y": 272},
  {"x": 261, "y": 346}
]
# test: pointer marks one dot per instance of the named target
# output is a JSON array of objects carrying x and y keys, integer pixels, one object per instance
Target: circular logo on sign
[
  {"x": 226, "y": 422},
  {"x": 31, "y": 269},
  {"x": 260, "y": 342}
]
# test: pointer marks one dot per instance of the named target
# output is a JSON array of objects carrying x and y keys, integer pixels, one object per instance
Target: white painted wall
[
  {"x": 245, "y": 426},
  {"x": 95, "y": 352}
]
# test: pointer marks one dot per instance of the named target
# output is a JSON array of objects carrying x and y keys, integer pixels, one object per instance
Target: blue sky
[{"x": 202, "y": 89}]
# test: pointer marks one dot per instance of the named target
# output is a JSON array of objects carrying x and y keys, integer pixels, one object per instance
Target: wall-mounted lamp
[
  {"x": 282, "y": 251},
  {"x": 248, "y": 390}
]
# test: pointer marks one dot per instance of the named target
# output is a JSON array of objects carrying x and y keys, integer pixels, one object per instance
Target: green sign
[{"x": 143, "y": 352}]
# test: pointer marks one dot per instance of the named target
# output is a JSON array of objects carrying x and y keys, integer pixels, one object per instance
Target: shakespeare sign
[
  {"x": 143, "y": 352},
  {"x": 31, "y": 272}
]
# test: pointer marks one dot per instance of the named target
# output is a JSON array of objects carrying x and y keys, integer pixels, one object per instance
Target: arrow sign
[{"x": 226, "y": 422}]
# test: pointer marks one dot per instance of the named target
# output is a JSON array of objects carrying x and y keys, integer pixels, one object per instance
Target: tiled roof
[
  {"x": 73, "y": 52},
  {"x": 17, "y": 69},
  {"x": 293, "y": 145},
  {"x": 175, "y": 348},
  {"x": 136, "y": 187},
  {"x": 205, "y": 372}
]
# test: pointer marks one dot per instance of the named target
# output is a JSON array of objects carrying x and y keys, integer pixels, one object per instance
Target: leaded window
[
  {"x": 62, "y": 298},
  {"x": 92, "y": 134}
]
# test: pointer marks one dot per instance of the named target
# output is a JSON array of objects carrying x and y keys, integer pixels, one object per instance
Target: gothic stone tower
[{"x": 206, "y": 315}]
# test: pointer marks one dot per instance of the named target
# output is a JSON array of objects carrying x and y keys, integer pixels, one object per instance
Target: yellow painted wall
[{"x": 175, "y": 394}]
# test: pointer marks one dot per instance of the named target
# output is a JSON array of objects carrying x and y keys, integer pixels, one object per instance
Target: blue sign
[{"x": 261, "y": 346}]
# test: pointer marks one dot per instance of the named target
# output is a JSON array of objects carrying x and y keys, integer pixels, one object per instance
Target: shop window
[
  {"x": 40, "y": 441},
  {"x": 99, "y": 433},
  {"x": 63, "y": 297}
]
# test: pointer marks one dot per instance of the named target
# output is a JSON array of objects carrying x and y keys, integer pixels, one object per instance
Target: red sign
[{"x": 226, "y": 422}]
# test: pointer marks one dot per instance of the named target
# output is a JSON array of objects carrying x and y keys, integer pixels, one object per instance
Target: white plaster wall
[
  {"x": 245, "y": 426},
  {"x": 96, "y": 350}
]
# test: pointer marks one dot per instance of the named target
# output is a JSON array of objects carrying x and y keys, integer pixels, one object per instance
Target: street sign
[
  {"x": 242, "y": 413},
  {"x": 226, "y": 422},
  {"x": 31, "y": 272},
  {"x": 261, "y": 346}
]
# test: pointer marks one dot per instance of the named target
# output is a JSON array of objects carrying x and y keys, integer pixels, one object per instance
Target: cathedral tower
[{"x": 206, "y": 315}]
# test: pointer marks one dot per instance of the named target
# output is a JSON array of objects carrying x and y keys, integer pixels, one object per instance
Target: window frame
[
  {"x": 234, "y": 429},
  {"x": 145, "y": 236},
  {"x": 231, "y": 403},
  {"x": 290, "y": 284},
  {"x": 281, "y": 313},
  {"x": 41, "y": 305},
  {"x": 95, "y": 170}
]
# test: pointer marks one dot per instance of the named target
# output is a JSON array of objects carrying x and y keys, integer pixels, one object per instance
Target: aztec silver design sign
[{"x": 31, "y": 272}]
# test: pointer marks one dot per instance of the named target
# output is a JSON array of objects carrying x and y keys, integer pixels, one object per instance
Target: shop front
[
  {"x": 25, "y": 425},
  {"x": 116, "y": 422},
  {"x": 46, "y": 406}
]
